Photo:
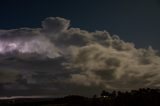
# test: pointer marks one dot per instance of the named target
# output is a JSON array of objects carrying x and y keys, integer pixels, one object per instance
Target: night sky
[
  {"x": 133, "y": 20},
  {"x": 62, "y": 47}
]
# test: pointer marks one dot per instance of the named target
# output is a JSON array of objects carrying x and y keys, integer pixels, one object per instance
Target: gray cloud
[
  {"x": 74, "y": 60},
  {"x": 55, "y": 25}
]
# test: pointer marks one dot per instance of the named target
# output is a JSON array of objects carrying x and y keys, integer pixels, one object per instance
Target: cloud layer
[{"x": 62, "y": 59}]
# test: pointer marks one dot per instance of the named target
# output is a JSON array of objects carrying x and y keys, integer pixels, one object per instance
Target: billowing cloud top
[{"x": 63, "y": 60}]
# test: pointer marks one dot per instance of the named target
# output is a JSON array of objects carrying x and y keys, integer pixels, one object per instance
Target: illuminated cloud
[
  {"x": 126, "y": 68},
  {"x": 58, "y": 55},
  {"x": 26, "y": 41}
]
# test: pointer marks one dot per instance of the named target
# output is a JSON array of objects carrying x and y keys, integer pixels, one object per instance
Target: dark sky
[
  {"x": 54, "y": 57},
  {"x": 133, "y": 20}
]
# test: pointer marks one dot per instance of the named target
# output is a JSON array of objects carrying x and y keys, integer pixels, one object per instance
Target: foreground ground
[{"x": 141, "y": 97}]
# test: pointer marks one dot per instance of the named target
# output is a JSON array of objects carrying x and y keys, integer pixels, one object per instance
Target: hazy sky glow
[{"x": 55, "y": 56}]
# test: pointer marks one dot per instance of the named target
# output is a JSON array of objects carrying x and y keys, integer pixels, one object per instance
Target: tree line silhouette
[{"x": 141, "y": 97}]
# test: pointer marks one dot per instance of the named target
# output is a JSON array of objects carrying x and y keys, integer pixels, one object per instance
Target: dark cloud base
[{"x": 57, "y": 59}]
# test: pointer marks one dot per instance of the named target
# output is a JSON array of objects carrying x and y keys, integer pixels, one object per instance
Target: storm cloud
[{"x": 62, "y": 59}]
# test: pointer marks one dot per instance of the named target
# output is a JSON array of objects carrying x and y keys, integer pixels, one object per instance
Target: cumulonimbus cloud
[{"x": 91, "y": 58}]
